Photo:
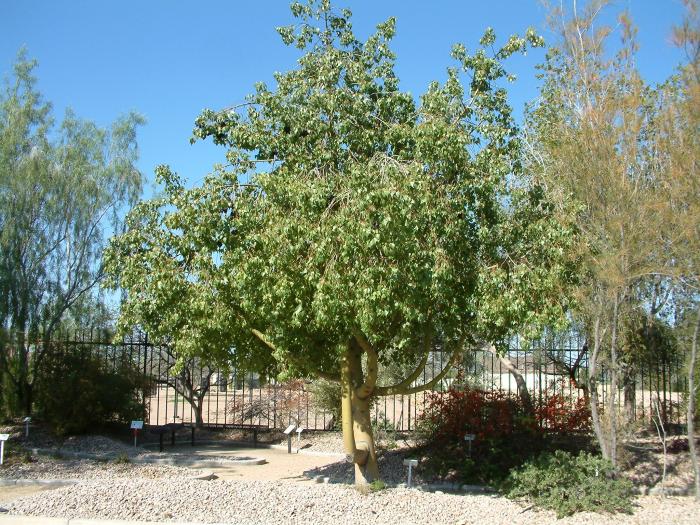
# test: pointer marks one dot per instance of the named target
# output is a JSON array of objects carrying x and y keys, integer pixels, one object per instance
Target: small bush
[
  {"x": 377, "y": 485},
  {"x": 504, "y": 435},
  {"x": 568, "y": 484},
  {"x": 326, "y": 395},
  {"x": 77, "y": 392},
  {"x": 16, "y": 454},
  {"x": 122, "y": 459},
  {"x": 562, "y": 412}
]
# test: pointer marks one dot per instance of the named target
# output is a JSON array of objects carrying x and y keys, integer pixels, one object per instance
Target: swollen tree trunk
[
  {"x": 358, "y": 439},
  {"x": 691, "y": 407},
  {"x": 357, "y": 391}
]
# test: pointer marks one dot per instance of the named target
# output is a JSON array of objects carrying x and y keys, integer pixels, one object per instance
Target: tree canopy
[{"x": 350, "y": 220}]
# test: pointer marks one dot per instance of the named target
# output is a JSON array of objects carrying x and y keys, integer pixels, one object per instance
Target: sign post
[
  {"x": 136, "y": 426},
  {"x": 3, "y": 438},
  {"x": 26, "y": 420},
  {"x": 469, "y": 438},
  {"x": 288, "y": 432},
  {"x": 299, "y": 431},
  {"x": 410, "y": 463}
]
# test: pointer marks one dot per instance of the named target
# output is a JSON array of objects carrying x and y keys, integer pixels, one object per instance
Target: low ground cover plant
[{"x": 568, "y": 484}]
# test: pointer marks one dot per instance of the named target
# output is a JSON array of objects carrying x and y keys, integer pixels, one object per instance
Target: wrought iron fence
[{"x": 217, "y": 398}]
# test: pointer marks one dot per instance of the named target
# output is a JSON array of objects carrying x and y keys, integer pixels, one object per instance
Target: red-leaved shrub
[
  {"x": 561, "y": 413},
  {"x": 505, "y": 434}
]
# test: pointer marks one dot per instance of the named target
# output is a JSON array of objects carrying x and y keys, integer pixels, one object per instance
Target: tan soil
[
  {"x": 7, "y": 494},
  {"x": 280, "y": 465}
]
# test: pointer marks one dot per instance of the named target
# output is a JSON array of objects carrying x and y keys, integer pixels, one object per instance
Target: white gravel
[
  {"x": 247, "y": 502},
  {"x": 115, "y": 490},
  {"x": 49, "y": 468}
]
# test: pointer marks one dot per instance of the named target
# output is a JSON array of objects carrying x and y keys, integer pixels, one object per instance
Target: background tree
[
  {"x": 61, "y": 191},
  {"x": 679, "y": 139},
  {"x": 352, "y": 226},
  {"x": 592, "y": 142},
  {"x": 191, "y": 379}
]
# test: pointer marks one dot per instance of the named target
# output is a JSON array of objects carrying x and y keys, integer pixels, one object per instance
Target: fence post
[{"x": 146, "y": 379}]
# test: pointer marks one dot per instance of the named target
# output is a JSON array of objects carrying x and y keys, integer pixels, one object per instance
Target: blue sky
[{"x": 169, "y": 60}]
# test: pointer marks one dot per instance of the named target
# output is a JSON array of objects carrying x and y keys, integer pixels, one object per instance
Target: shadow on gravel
[{"x": 391, "y": 468}]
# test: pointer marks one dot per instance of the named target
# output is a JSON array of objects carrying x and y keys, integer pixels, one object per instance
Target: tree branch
[
  {"x": 263, "y": 339},
  {"x": 364, "y": 391},
  {"x": 387, "y": 391}
]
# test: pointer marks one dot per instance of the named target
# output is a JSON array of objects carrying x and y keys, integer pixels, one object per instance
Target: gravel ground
[
  {"x": 119, "y": 490},
  {"x": 247, "y": 502},
  {"x": 50, "y": 468}
]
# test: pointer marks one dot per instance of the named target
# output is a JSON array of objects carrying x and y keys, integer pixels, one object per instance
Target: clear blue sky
[{"x": 169, "y": 60}]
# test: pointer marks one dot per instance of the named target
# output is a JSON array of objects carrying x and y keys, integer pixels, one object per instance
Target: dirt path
[
  {"x": 280, "y": 465},
  {"x": 7, "y": 494}
]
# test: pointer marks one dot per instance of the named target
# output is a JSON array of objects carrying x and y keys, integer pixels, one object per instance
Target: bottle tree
[{"x": 352, "y": 226}]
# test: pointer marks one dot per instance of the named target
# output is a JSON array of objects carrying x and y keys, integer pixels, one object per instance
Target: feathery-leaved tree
[
  {"x": 596, "y": 141},
  {"x": 352, "y": 225},
  {"x": 62, "y": 191}
]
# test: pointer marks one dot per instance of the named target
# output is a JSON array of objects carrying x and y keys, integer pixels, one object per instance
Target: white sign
[
  {"x": 137, "y": 425},
  {"x": 27, "y": 419},
  {"x": 410, "y": 463},
  {"x": 3, "y": 438},
  {"x": 300, "y": 430},
  {"x": 470, "y": 437},
  {"x": 290, "y": 428}
]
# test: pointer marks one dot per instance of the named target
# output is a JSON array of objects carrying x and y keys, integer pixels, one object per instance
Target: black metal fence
[{"x": 218, "y": 398}]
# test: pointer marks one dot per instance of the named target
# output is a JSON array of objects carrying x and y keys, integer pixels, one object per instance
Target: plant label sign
[
  {"x": 137, "y": 425},
  {"x": 410, "y": 463},
  {"x": 3, "y": 438},
  {"x": 290, "y": 428}
]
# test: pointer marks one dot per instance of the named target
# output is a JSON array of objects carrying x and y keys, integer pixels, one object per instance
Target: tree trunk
[
  {"x": 612, "y": 409},
  {"x": 523, "y": 392},
  {"x": 358, "y": 439},
  {"x": 199, "y": 420},
  {"x": 691, "y": 407},
  {"x": 28, "y": 398},
  {"x": 593, "y": 390},
  {"x": 630, "y": 395}
]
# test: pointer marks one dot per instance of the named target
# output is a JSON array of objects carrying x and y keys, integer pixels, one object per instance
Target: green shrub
[
  {"x": 568, "y": 484},
  {"x": 122, "y": 459},
  {"x": 16, "y": 454},
  {"x": 326, "y": 395},
  {"x": 77, "y": 392},
  {"x": 377, "y": 485},
  {"x": 504, "y": 436}
]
